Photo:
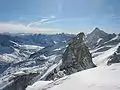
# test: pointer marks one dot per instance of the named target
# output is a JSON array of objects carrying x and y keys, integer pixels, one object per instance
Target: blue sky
[{"x": 53, "y": 16}]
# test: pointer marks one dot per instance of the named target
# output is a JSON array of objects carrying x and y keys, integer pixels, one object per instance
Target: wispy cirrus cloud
[
  {"x": 52, "y": 19},
  {"x": 19, "y": 27},
  {"x": 42, "y": 21}
]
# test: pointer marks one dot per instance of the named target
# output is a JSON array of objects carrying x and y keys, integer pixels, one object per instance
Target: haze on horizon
[{"x": 54, "y": 16}]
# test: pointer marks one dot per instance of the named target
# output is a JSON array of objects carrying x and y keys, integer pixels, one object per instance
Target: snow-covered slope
[
  {"x": 99, "y": 78},
  {"x": 38, "y": 85},
  {"x": 101, "y": 54},
  {"x": 20, "y": 52},
  {"x": 103, "y": 58}
]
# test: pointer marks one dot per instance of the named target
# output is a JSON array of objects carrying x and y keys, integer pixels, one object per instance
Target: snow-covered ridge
[
  {"x": 99, "y": 40},
  {"x": 103, "y": 58},
  {"x": 99, "y": 78},
  {"x": 115, "y": 38}
]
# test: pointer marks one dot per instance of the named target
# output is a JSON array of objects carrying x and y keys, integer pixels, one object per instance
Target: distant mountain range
[{"x": 50, "y": 57}]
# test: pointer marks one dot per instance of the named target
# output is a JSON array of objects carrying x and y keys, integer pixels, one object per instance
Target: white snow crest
[{"x": 99, "y": 78}]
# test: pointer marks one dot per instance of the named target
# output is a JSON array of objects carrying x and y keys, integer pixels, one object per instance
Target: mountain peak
[
  {"x": 97, "y": 29},
  {"x": 98, "y": 32},
  {"x": 96, "y": 36}
]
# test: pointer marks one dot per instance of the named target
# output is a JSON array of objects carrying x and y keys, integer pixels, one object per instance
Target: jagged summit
[
  {"x": 97, "y": 29},
  {"x": 98, "y": 32}
]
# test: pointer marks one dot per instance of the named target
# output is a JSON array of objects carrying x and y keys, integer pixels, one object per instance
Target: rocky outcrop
[
  {"x": 77, "y": 56},
  {"x": 115, "y": 58}
]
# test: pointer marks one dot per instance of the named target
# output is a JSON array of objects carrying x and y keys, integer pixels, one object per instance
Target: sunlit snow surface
[
  {"x": 100, "y": 78},
  {"x": 38, "y": 85},
  {"x": 103, "y": 58}
]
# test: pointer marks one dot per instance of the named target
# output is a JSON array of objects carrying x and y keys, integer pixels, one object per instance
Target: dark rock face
[
  {"x": 77, "y": 56},
  {"x": 20, "y": 82},
  {"x": 115, "y": 58},
  {"x": 5, "y": 44}
]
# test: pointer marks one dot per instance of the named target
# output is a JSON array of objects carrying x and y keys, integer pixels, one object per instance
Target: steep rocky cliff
[{"x": 77, "y": 56}]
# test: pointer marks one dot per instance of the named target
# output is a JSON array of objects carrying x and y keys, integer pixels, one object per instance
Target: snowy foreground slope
[{"x": 99, "y": 78}]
